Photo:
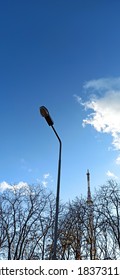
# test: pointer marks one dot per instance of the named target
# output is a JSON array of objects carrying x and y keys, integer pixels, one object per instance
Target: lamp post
[{"x": 45, "y": 113}]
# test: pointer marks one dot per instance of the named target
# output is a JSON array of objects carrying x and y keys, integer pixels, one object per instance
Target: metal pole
[
  {"x": 57, "y": 198},
  {"x": 45, "y": 113}
]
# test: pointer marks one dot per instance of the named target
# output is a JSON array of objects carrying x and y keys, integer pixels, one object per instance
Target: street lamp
[{"x": 45, "y": 113}]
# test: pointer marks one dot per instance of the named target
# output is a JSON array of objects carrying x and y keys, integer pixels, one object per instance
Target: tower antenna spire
[
  {"x": 89, "y": 198},
  {"x": 91, "y": 237}
]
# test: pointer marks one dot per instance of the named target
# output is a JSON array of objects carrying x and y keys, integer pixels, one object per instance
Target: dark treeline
[{"x": 85, "y": 231}]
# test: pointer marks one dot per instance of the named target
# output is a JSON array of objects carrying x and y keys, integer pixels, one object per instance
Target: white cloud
[
  {"x": 21, "y": 185},
  {"x": 4, "y": 185},
  {"x": 118, "y": 160},
  {"x": 44, "y": 183},
  {"x": 105, "y": 106},
  {"x": 45, "y": 179},
  {"x": 111, "y": 174},
  {"x": 78, "y": 98},
  {"x": 103, "y": 84},
  {"x": 45, "y": 176}
]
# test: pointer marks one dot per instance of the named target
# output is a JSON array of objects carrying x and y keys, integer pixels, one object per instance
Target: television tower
[
  {"x": 91, "y": 248},
  {"x": 89, "y": 198}
]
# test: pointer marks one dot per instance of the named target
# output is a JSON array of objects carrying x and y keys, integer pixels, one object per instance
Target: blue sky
[{"x": 64, "y": 55}]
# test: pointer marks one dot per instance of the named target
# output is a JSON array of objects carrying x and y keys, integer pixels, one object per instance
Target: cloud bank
[
  {"x": 104, "y": 104},
  {"x": 4, "y": 185},
  {"x": 111, "y": 175}
]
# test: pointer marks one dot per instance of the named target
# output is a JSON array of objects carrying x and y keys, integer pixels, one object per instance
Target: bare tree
[
  {"x": 72, "y": 229},
  {"x": 84, "y": 231},
  {"x": 108, "y": 216},
  {"x": 26, "y": 218}
]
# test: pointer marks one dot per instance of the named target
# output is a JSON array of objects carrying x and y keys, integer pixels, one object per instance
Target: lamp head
[{"x": 45, "y": 113}]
